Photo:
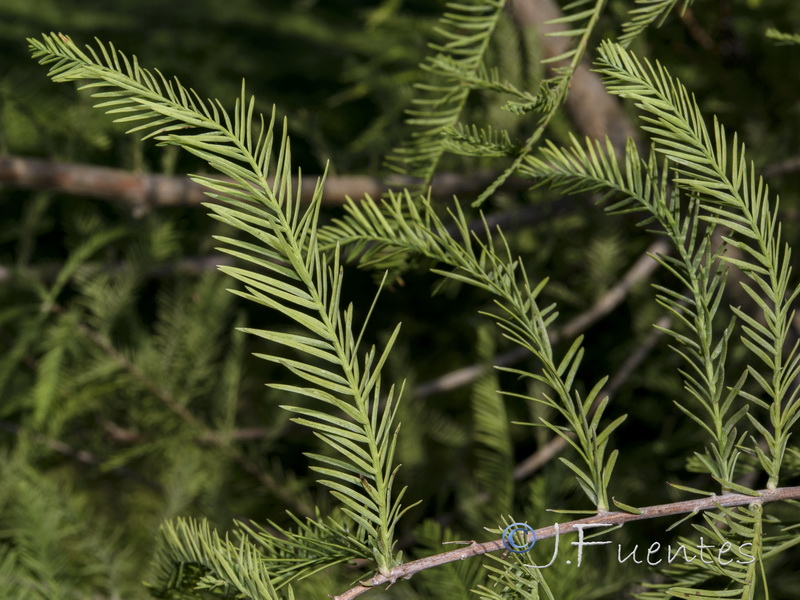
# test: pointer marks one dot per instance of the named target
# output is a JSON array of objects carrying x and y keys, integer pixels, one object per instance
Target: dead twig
[
  {"x": 190, "y": 265},
  {"x": 695, "y": 29},
  {"x": 78, "y": 454},
  {"x": 784, "y": 167}
]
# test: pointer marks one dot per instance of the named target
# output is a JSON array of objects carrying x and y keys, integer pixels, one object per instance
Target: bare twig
[
  {"x": 78, "y": 454},
  {"x": 190, "y": 265},
  {"x": 407, "y": 570},
  {"x": 784, "y": 167},
  {"x": 144, "y": 191},
  {"x": 141, "y": 190},
  {"x": 695, "y": 29},
  {"x": 640, "y": 271},
  {"x": 131, "y": 436}
]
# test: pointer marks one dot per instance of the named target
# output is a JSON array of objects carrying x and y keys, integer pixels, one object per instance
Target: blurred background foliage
[{"x": 127, "y": 396}]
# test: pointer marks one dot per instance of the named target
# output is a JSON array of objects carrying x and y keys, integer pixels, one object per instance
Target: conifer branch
[
  {"x": 465, "y": 32},
  {"x": 293, "y": 276},
  {"x": 639, "y": 271},
  {"x": 594, "y": 111},
  {"x": 728, "y": 194},
  {"x": 647, "y": 13},
  {"x": 375, "y": 231},
  {"x": 551, "y": 449},
  {"x": 712, "y": 502},
  {"x": 145, "y": 191},
  {"x": 294, "y": 268},
  {"x": 579, "y": 23}
]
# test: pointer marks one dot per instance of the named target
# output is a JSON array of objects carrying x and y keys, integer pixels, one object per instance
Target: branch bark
[{"x": 144, "y": 191}]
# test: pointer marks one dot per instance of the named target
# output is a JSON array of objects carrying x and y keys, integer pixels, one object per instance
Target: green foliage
[
  {"x": 783, "y": 37},
  {"x": 646, "y": 13},
  {"x": 466, "y": 30},
  {"x": 398, "y": 223},
  {"x": 132, "y": 408},
  {"x": 302, "y": 283},
  {"x": 580, "y": 19}
]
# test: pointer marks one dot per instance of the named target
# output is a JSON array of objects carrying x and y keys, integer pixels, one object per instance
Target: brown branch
[
  {"x": 78, "y": 454},
  {"x": 132, "y": 436},
  {"x": 143, "y": 191},
  {"x": 641, "y": 270},
  {"x": 407, "y": 570},
  {"x": 190, "y": 265}
]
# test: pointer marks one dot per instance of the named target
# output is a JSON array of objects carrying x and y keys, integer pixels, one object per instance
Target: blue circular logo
[{"x": 512, "y": 530}]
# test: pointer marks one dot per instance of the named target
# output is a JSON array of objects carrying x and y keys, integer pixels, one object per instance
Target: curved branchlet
[
  {"x": 377, "y": 230},
  {"x": 640, "y": 185},
  {"x": 783, "y": 37},
  {"x": 287, "y": 273}
]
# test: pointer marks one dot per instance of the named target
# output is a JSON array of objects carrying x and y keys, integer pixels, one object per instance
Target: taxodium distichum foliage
[{"x": 685, "y": 179}]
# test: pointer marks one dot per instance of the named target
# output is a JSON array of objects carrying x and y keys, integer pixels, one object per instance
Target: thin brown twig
[
  {"x": 132, "y": 436},
  {"x": 695, "y": 29},
  {"x": 190, "y": 265},
  {"x": 198, "y": 265},
  {"x": 144, "y": 191},
  {"x": 407, "y": 570},
  {"x": 78, "y": 454}
]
